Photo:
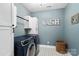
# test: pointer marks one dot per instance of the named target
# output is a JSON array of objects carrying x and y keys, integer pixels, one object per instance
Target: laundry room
[
  {"x": 39, "y": 29},
  {"x": 49, "y": 26}
]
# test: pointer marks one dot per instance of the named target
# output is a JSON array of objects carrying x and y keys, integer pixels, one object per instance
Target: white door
[
  {"x": 33, "y": 24},
  {"x": 5, "y": 14},
  {"x": 6, "y": 43},
  {"x": 6, "y": 35}
]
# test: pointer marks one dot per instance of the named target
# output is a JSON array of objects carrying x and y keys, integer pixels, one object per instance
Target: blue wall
[
  {"x": 72, "y": 31},
  {"x": 21, "y": 11},
  {"x": 49, "y": 33}
]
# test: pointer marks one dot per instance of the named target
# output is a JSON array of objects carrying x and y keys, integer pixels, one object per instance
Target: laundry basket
[{"x": 61, "y": 47}]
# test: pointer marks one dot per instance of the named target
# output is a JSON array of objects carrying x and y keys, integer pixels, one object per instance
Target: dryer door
[{"x": 31, "y": 49}]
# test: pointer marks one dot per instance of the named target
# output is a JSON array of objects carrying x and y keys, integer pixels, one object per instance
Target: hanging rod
[{"x": 22, "y": 18}]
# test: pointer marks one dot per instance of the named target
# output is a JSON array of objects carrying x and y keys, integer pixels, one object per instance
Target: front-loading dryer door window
[{"x": 31, "y": 49}]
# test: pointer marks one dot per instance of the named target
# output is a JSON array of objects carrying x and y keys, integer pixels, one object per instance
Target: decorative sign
[
  {"x": 75, "y": 19},
  {"x": 52, "y": 22}
]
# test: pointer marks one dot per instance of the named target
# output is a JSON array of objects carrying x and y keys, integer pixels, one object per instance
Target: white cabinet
[
  {"x": 26, "y": 22},
  {"x": 5, "y": 14},
  {"x": 33, "y": 24}
]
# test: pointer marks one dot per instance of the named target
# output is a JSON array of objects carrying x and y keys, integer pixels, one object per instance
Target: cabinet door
[
  {"x": 6, "y": 41},
  {"x": 33, "y": 24},
  {"x": 5, "y": 14}
]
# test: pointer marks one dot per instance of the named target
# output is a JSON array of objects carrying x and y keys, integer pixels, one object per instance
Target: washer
[
  {"x": 24, "y": 46},
  {"x": 36, "y": 41}
]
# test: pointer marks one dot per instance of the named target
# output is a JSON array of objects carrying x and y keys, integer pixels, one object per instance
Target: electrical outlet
[{"x": 48, "y": 42}]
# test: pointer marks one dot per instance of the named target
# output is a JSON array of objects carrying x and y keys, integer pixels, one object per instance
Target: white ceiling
[{"x": 32, "y": 7}]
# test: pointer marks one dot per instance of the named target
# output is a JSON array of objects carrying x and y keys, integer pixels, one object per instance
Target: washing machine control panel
[{"x": 26, "y": 42}]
